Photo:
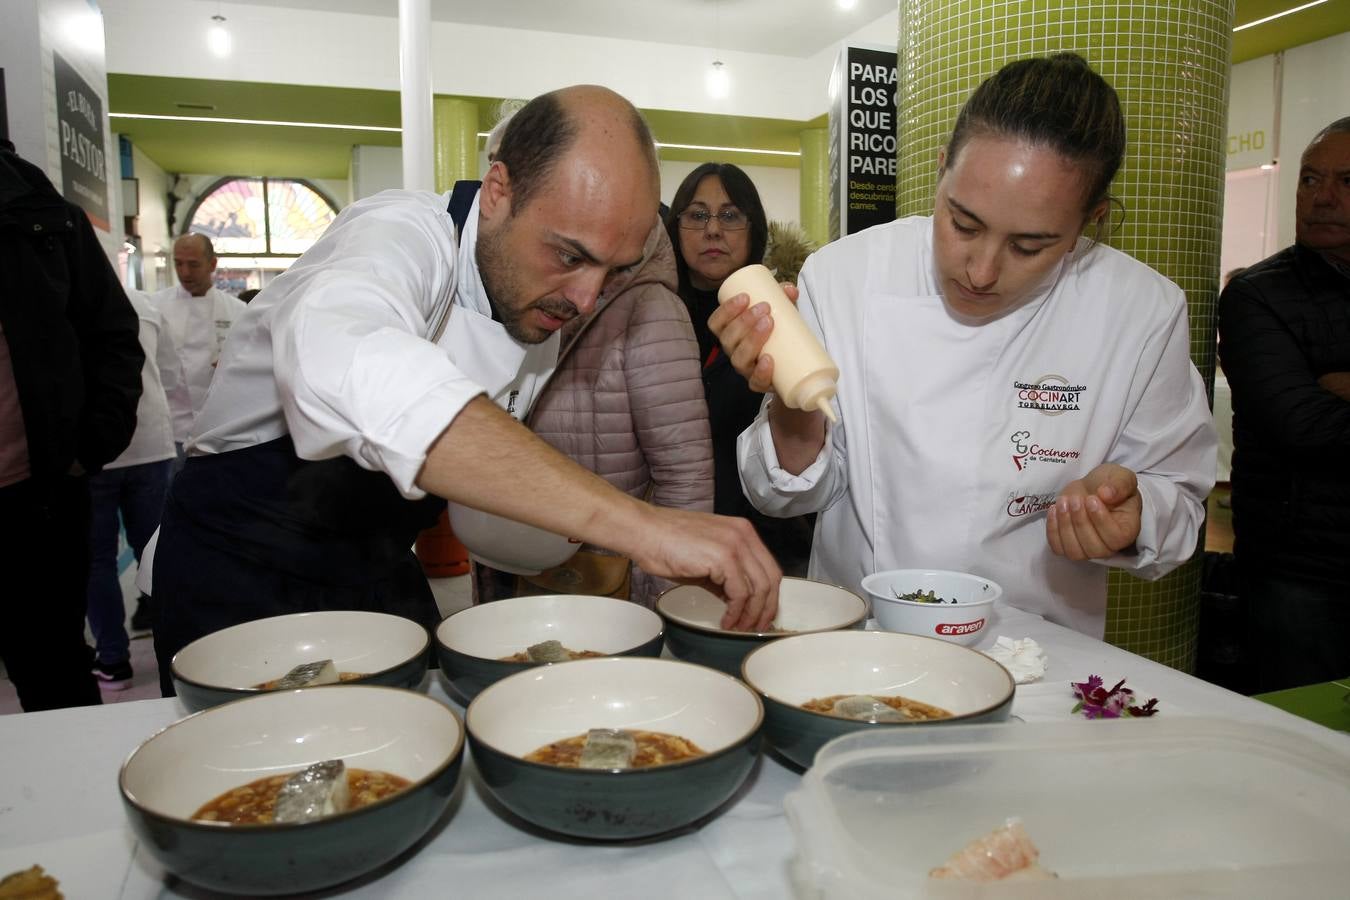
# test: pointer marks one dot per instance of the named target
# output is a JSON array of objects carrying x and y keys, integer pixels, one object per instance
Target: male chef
[{"x": 371, "y": 382}]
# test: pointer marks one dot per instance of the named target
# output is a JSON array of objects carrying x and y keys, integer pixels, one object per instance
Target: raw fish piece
[
  {"x": 308, "y": 675},
  {"x": 548, "y": 652},
  {"x": 608, "y": 748},
  {"x": 313, "y": 793},
  {"x": 1005, "y": 853},
  {"x": 868, "y": 709}
]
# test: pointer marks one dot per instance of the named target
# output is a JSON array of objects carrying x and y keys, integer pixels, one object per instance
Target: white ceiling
[{"x": 799, "y": 28}]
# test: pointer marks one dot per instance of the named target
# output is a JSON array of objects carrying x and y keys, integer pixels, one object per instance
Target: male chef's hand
[
  {"x": 742, "y": 330},
  {"x": 719, "y": 553},
  {"x": 1096, "y": 516}
]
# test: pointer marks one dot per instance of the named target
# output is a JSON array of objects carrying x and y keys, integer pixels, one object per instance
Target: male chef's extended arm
[
  {"x": 1168, "y": 440},
  {"x": 356, "y": 376},
  {"x": 1275, "y": 392},
  {"x": 770, "y": 487}
]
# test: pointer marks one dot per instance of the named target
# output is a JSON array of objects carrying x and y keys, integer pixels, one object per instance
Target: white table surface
[{"x": 60, "y": 807}]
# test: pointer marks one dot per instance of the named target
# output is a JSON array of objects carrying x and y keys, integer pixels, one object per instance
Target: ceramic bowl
[
  {"x": 693, "y": 617},
  {"x": 231, "y": 663},
  {"x": 471, "y": 643},
  {"x": 509, "y": 545},
  {"x": 178, "y": 770},
  {"x": 793, "y": 670},
  {"x": 962, "y": 622},
  {"x": 525, "y": 712}
]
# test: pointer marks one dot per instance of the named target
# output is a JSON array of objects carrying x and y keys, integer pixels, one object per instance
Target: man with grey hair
[
  {"x": 197, "y": 317},
  {"x": 1284, "y": 327},
  {"x": 385, "y": 372}
]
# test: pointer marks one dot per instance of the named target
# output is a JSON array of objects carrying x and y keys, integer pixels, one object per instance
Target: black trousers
[
  {"x": 258, "y": 532},
  {"x": 1299, "y": 630},
  {"x": 44, "y": 553}
]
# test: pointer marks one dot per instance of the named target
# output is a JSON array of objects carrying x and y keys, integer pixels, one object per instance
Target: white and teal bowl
[
  {"x": 471, "y": 643},
  {"x": 230, "y": 663},
  {"x": 524, "y": 712},
  {"x": 788, "y": 672},
  {"x": 188, "y": 764},
  {"x": 961, "y": 622},
  {"x": 509, "y": 545},
  {"x": 693, "y": 621}
]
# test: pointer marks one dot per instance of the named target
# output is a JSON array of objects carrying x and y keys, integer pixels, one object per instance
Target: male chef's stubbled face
[
  {"x": 583, "y": 227},
  {"x": 1005, "y": 215}
]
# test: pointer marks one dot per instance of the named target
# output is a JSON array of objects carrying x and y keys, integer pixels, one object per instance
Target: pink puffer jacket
[{"x": 626, "y": 400}]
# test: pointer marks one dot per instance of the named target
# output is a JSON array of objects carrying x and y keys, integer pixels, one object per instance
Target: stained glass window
[{"x": 261, "y": 216}]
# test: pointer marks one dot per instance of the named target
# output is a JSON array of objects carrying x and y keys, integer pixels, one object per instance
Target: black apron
[{"x": 259, "y": 532}]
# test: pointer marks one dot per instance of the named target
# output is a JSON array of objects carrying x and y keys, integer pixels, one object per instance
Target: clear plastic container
[{"x": 1165, "y": 808}]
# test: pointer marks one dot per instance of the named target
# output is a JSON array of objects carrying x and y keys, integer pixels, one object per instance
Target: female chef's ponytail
[{"x": 1056, "y": 102}]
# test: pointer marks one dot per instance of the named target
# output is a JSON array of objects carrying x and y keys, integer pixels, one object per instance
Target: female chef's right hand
[{"x": 742, "y": 330}]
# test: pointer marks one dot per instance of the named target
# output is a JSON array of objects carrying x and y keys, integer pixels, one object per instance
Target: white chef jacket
[
  {"x": 955, "y": 438},
  {"x": 370, "y": 344},
  {"x": 161, "y": 375},
  {"x": 197, "y": 326}
]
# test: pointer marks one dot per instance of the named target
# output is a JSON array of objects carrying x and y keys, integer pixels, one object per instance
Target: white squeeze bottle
[{"x": 804, "y": 376}]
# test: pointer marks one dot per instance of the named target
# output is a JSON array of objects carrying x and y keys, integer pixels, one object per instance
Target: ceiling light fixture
[
  {"x": 1279, "y": 15},
  {"x": 218, "y": 37},
  {"x": 718, "y": 81},
  {"x": 846, "y": 5}
]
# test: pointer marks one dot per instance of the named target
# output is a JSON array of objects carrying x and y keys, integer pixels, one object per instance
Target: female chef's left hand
[{"x": 1096, "y": 516}]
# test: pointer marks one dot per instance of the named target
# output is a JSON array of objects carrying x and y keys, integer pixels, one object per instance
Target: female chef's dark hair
[
  {"x": 1056, "y": 102},
  {"x": 539, "y": 135},
  {"x": 740, "y": 189}
]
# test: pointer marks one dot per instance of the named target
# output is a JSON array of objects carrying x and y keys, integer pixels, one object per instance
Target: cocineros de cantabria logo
[
  {"x": 1020, "y": 505},
  {"x": 1029, "y": 451},
  {"x": 1052, "y": 395}
]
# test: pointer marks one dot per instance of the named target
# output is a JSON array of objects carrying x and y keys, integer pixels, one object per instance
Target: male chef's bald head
[
  {"x": 566, "y": 205},
  {"x": 579, "y": 120}
]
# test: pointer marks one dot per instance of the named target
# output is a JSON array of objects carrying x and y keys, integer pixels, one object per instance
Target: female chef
[{"x": 1015, "y": 400}]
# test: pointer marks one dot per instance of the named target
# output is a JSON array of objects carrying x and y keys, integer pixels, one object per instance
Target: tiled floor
[{"x": 452, "y": 595}]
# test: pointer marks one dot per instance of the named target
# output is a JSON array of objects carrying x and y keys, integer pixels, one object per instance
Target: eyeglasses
[{"x": 698, "y": 219}]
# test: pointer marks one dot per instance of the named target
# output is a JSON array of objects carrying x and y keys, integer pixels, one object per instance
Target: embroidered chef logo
[
  {"x": 1029, "y": 504},
  {"x": 1052, "y": 395},
  {"x": 1028, "y": 451}
]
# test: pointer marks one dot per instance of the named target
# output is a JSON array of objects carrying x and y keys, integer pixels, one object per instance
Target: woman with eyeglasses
[
  {"x": 717, "y": 225},
  {"x": 1015, "y": 400}
]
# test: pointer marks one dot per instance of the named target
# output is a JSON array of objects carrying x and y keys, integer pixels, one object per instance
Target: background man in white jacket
[{"x": 197, "y": 317}]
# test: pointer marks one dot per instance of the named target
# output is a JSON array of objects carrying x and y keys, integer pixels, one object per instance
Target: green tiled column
[
  {"x": 1169, "y": 63},
  {"x": 455, "y": 128},
  {"x": 815, "y": 185}
]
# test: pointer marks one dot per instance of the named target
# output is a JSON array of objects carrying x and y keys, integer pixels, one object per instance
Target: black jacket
[
  {"x": 1283, "y": 323},
  {"x": 71, "y": 331}
]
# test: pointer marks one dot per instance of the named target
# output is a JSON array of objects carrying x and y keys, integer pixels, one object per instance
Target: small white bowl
[
  {"x": 229, "y": 664},
  {"x": 961, "y": 622},
  {"x": 509, "y": 545}
]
